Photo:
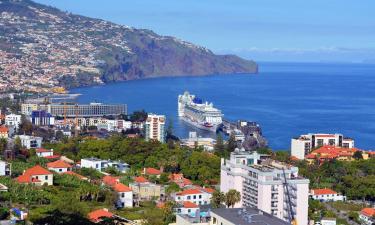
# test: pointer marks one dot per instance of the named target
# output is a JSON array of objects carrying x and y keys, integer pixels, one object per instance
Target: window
[
  {"x": 194, "y": 197},
  {"x": 122, "y": 195},
  {"x": 36, "y": 177},
  {"x": 214, "y": 220},
  {"x": 96, "y": 166},
  {"x": 60, "y": 170},
  {"x": 200, "y": 196},
  {"x": 188, "y": 197},
  {"x": 46, "y": 177},
  {"x": 189, "y": 210}
]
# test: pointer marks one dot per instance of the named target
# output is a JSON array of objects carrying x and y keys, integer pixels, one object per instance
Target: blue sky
[{"x": 269, "y": 30}]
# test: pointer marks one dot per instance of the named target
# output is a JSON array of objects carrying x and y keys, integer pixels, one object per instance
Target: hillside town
[{"x": 131, "y": 169}]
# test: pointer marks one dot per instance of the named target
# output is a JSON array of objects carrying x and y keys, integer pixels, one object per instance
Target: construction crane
[{"x": 292, "y": 219}]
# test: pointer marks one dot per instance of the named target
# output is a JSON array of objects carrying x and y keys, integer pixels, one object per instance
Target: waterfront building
[
  {"x": 101, "y": 165},
  {"x": 304, "y": 144},
  {"x": 59, "y": 166},
  {"x": 5, "y": 168},
  {"x": 13, "y": 120},
  {"x": 155, "y": 127},
  {"x": 268, "y": 185},
  {"x": 326, "y": 195},
  {"x": 4, "y": 132},
  {"x": 36, "y": 175},
  {"x": 28, "y": 141},
  {"x": 193, "y": 141},
  {"x": 367, "y": 216},
  {"x": 42, "y": 118},
  {"x": 84, "y": 110}
]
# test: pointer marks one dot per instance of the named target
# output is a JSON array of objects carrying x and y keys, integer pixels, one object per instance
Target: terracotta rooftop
[
  {"x": 110, "y": 181},
  {"x": 59, "y": 164},
  {"x": 368, "y": 212},
  {"x": 37, "y": 170},
  {"x": 152, "y": 171},
  {"x": 189, "y": 192},
  {"x": 140, "y": 180},
  {"x": 324, "y": 191},
  {"x": 76, "y": 174},
  {"x": 119, "y": 187},
  {"x": 3, "y": 129},
  {"x": 95, "y": 216},
  {"x": 188, "y": 204},
  {"x": 40, "y": 150}
]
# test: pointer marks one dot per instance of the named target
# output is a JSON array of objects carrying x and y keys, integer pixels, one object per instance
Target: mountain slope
[{"x": 42, "y": 47}]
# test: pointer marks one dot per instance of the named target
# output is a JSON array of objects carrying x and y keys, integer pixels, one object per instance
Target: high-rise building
[
  {"x": 304, "y": 144},
  {"x": 42, "y": 118},
  {"x": 268, "y": 185},
  {"x": 155, "y": 127}
]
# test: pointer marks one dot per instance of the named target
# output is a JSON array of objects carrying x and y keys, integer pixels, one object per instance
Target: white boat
[{"x": 198, "y": 113}]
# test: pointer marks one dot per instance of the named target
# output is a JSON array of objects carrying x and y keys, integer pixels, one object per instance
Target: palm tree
[
  {"x": 217, "y": 198},
  {"x": 232, "y": 197}
]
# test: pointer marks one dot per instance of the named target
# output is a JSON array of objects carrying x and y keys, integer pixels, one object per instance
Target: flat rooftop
[{"x": 246, "y": 216}]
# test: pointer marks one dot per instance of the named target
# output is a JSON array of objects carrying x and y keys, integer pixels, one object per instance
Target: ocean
[{"x": 286, "y": 99}]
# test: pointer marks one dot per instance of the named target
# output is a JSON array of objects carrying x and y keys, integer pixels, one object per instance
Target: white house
[
  {"x": 42, "y": 152},
  {"x": 125, "y": 195},
  {"x": 100, "y": 164},
  {"x": 196, "y": 196},
  {"x": 326, "y": 194},
  {"x": 5, "y": 168},
  {"x": 30, "y": 141},
  {"x": 367, "y": 216},
  {"x": 59, "y": 166},
  {"x": 13, "y": 120},
  {"x": 187, "y": 208}
]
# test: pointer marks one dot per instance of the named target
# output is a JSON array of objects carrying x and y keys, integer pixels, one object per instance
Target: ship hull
[{"x": 200, "y": 126}]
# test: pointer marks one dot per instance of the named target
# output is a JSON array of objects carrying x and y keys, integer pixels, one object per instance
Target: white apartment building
[
  {"x": 326, "y": 195},
  {"x": 28, "y": 141},
  {"x": 5, "y": 168},
  {"x": 13, "y": 120},
  {"x": 155, "y": 127},
  {"x": 28, "y": 108},
  {"x": 304, "y": 144},
  {"x": 101, "y": 165},
  {"x": 270, "y": 186}
]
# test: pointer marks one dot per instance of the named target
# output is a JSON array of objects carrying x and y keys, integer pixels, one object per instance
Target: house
[
  {"x": 13, "y": 120},
  {"x": 197, "y": 196},
  {"x": 36, "y": 175},
  {"x": 101, "y": 165},
  {"x": 179, "y": 179},
  {"x": 125, "y": 195},
  {"x": 110, "y": 180},
  {"x": 145, "y": 190},
  {"x": 367, "y": 216},
  {"x": 59, "y": 166},
  {"x": 30, "y": 141},
  {"x": 42, "y": 152},
  {"x": 326, "y": 195},
  {"x": 98, "y": 215},
  {"x": 76, "y": 175},
  {"x": 187, "y": 208},
  {"x": 5, "y": 168},
  {"x": 151, "y": 172},
  {"x": 327, "y": 153},
  {"x": 4, "y": 132}
]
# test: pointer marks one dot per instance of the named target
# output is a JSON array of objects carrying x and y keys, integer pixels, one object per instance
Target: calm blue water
[{"x": 287, "y": 99}]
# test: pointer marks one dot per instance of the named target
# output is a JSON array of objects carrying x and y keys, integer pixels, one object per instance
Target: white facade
[
  {"x": 125, "y": 199},
  {"x": 101, "y": 165},
  {"x": 30, "y": 141},
  {"x": 13, "y": 120},
  {"x": 304, "y": 144},
  {"x": 263, "y": 186},
  {"x": 327, "y": 196},
  {"x": 5, "y": 168},
  {"x": 155, "y": 127},
  {"x": 198, "y": 197},
  {"x": 28, "y": 108},
  {"x": 44, "y": 152}
]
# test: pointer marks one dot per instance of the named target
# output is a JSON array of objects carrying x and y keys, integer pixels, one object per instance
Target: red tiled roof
[
  {"x": 59, "y": 164},
  {"x": 325, "y": 135},
  {"x": 52, "y": 157},
  {"x": 152, "y": 171},
  {"x": 188, "y": 204},
  {"x": 37, "y": 170},
  {"x": 369, "y": 212},
  {"x": 140, "y": 180},
  {"x": 209, "y": 190},
  {"x": 40, "y": 150},
  {"x": 189, "y": 192},
  {"x": 176, "y": 176},
  {"x": 110, "y": 181},
  {"x": 3, "y": 129},
  {"x": 95, "y": 216},
  {"x": 324, "y": 191},
  {"x": 331, "y": 152},
  {"x": 75, "y": 174},
  {"x": 119, "y": 187}
]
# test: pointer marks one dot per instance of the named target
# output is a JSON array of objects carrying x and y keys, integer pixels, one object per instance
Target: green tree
[
  {"x": 17, "y": 145},
  {"x": 232, "y": 197},
  {"x": 3, "y": 145},
  {"x": 217, "y": 199},
  {"x": 358, "y": 155},
  {"x": 232, "y": 143},
  {"x": 219, "y": 146}
]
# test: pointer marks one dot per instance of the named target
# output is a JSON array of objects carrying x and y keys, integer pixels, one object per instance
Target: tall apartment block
[
  {"x": 304, "y": 144},
  {"x": 155, "y": 127},
  {"x": 268, "y": 185}
]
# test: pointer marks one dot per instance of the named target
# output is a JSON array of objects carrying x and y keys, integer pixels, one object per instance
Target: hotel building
[
  {"x": 304, "y": 144},
  {"x": 268, "y": 185},
  {"x": 155, "y": 127}
]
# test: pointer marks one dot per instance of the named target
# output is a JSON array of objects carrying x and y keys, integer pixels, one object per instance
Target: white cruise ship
[{"x": 198, "y": 113}]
